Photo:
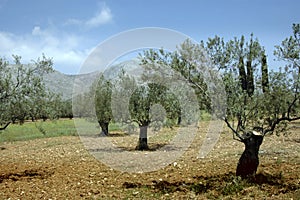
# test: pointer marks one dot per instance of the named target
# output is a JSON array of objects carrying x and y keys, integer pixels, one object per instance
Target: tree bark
[
  {"x": 104, "y": 127},
  {"x": 249, "y": 160},
  {"x": 143, "y": 141}
]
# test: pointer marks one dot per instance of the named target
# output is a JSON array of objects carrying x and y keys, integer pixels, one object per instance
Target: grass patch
[
  {"x": 205, "y": 116},
  {"x": 34, "y": 130},
  {"x": 55, "y": 128},
  {"x": 236, "y": 185},
  {"x": 163, "y": 136},
  {"x": 92, "y": 128}
]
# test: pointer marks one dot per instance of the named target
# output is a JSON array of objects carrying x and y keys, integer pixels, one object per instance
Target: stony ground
[{"x": 61, "y": 168}]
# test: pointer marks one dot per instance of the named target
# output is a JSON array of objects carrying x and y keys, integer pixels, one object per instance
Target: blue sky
[{"x": 68, "y": 30}]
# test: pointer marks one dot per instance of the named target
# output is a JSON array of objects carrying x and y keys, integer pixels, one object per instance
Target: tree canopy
[{"x": 22, "y": 92}]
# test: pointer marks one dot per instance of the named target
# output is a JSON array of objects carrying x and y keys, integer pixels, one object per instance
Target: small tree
[
  {"x": 21, "y": 88},
  {"x": 141, "y": 102},
  {"x": 103, "y": 92}
]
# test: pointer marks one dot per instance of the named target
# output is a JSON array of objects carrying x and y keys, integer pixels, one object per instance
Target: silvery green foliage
[
  {"x": 22, "y": 92},
  {"x": 275, "y": 101}
]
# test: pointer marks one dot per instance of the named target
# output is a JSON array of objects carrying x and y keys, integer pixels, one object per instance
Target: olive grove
[{"x": 23, "y": 95}]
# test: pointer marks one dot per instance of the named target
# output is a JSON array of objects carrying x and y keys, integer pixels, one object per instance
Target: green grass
[
  {"x": 34, "y": 130},
  {"x": 235, "y": 186},
  {"x": 67, "y": 127},
  {"x": 85, "y": 127},
  {"x": 55, "y": 128}
]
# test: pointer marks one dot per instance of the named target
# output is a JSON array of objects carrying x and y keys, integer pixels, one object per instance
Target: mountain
[
  {"x": 63, "y": 84},
  {"x": 131, "y": 67}
]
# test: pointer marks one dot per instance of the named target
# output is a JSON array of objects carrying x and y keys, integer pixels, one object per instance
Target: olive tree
[
  {"x": 141, "y": 103},
  {"x": 259, "y": 102},
  {"x": 270, "y": 109},
  {"x": 144, "y": 103},
  {"x": 103, "y": 92},
  {"x": 22, "y": 92}
]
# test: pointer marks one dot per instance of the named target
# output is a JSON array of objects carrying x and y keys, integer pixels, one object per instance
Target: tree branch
[
  {"x": 5, "y": 126},
  {"x": 277, "y": 121},
  {"x": 235, "y": 133}
]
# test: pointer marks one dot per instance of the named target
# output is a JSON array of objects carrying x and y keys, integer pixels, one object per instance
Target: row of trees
[
  {"x": 126, "y": 101},
  {"x": 259, "y": 101},
  {"x": 23, "y": 95}
]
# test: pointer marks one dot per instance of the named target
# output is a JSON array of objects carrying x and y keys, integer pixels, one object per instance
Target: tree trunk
[
  {"x": 104, "y": 127},
  {"x": 143, "y": 142},
  {"x": 249, "y": 161},
  {"x": 179, "y": 119}
]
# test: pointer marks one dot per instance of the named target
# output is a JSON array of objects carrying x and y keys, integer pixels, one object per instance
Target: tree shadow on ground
[
  {"x": 27, "y": 174},
  {"x": 224, "y": 184},
  {"x": 152, "y": 147},
  {"x": 117, "y": 134}
]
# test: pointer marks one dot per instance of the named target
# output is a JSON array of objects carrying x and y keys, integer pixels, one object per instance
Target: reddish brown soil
[{"x": 60, "y": 168}]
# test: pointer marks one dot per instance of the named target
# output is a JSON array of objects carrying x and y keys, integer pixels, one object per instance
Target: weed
[
  {"x": 235, "y": 186},
  {"x": 198, "y": 188}
]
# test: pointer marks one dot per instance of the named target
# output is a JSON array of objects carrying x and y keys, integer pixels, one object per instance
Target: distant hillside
[
  {"x": 63, "y": 83},
  {"x": 132, "y": 67}
]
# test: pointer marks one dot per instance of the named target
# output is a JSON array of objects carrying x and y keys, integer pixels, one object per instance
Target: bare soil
[{"x": 61, "y": 168}]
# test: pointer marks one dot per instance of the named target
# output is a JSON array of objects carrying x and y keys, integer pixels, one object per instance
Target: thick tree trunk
[
  {"x": 249, "y": 160},
  {"x": 143, "y": 142},
  {"x": 104, "y": 127}
]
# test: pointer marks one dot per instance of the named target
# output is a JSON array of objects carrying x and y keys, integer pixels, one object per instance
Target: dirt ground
[{"x": 61, "y": 168}]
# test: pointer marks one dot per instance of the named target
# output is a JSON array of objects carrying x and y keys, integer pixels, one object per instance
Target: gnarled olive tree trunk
[
  {"x": 104, "y": 128},
  {"x": 143, "y": 141},
  {"x": 249, "y": 160}
]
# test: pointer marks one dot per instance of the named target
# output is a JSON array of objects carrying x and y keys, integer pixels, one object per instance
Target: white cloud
[
  {"x": 64, "y": 48},
  {"x": 68, "y": 50},
  {"x": 103, "y": 16},
  {"x": 36, "y": 30},
  {"x": 7, "y": 41}
]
